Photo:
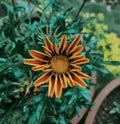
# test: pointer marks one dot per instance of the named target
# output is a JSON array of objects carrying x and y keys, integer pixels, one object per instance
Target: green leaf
[
  {"x": 4, "y": 66},
  {"x": 58, "y": 100},
  {"x": 7, "y": 100},
  {"x": 40, "y": 108},
  {"x": 18, "y": 72},
  {"x": 38, "y": 111},
  {"x": 68, "y": 92},
  {"x": 36, "y": 99},
  {"x": 77, "y": 108},
  {"x": 26, "y": 111},
  {"x": 2, "y": 111},
  {"x": 62, "y": 120},
  {"x": 2, "y": 60},
  {"x": 68, "y": 11},
  {"x": 51, "y": 119},
  {"x": 86, "y": 94},
  {"x": 9, "y": 47},
  {"x": 115, "y": 63},
  {"x": 101, "y": 68},
  {"x": 72, "y": 99}
]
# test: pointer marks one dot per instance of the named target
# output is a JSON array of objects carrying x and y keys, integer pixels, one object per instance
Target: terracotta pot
[
  {"x": 100, "y": 98},
  {"x": 75, "y": 119}
]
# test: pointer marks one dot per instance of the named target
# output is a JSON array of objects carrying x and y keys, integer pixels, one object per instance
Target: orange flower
[{"x": 60, "y": 65}]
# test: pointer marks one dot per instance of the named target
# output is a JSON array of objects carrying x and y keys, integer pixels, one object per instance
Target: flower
[{"x": 60, "y": 65}]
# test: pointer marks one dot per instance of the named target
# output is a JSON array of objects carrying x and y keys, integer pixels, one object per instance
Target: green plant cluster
[
  {"x": 112, "y": 20},
  {"x": 22, "y": 28},
  {"x": 107, "y": 42}
]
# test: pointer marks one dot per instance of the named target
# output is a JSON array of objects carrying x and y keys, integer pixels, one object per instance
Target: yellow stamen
[{"x": 59, "y": 64}]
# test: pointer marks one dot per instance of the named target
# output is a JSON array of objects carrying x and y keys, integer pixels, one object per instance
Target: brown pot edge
[{"x": 100, "y": 98}]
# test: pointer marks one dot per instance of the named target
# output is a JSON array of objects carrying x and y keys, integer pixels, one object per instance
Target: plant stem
[
  {"x": 81, "y": 8},
  {"x": 12, "y": 21},
  {"x": 13, "y": 4}
]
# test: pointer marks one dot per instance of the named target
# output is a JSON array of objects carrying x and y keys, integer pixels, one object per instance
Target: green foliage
[
  {"x": 20, "y": 31},
  {"x": 106, "y": 42},
  {"x": 111, "y": 17},
  {"x": 115, "y": 109}
]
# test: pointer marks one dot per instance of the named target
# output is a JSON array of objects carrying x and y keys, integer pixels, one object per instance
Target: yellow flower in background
[
  {"x": 105, "y": 27},
  {"x": 88, "y": 15},
  {"x": 113, "y": 53},
  {"x": 60, "y": 65},
  {"x": 109, "y": 42},
  {"x": 92, "y": 15},
  {"x": 114, "y": 42},
  {"x": 101, "y": 16}
]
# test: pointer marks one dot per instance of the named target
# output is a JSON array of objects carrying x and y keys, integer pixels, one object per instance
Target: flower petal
[
  {"x": 48, "y": 44},
  {"x": 82, "y": 75},
  {"x": 56, "y": 49},
  {"x": 38, "y": 55},
  {"x": 74, "y": 67},
  {"x": 70, "y": 80},
  {"x": 42, "y": 79},
  {"x": 78, "y": 80},
  {"x": 76, "y": 58},
  {"x": 62, "y": 43},
  {"x": 47, "y": 51},
  {"x": 32, "y": 62},
  {"x": 37, "y": 68},
  {"x": 58, "y": 87},
  {"x": 51, "y": 88},
  {"x": 83, "y": 61},
  {"x": 47, "y": 68},
  {"x": 63, "y": 81},
  {"x": 73, "y": 43},
  {"x": 79, "y": 59},
  {"x": 76, "y": 50},
  {"x": 65, "y": 49}
]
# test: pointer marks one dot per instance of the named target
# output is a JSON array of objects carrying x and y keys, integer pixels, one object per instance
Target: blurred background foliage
[
  {"x": 23, "y": 26},
  {"x": 108, "y": 43}
]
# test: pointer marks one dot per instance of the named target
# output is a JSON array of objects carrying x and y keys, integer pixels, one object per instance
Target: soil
[{"x": 103, "y": 115}]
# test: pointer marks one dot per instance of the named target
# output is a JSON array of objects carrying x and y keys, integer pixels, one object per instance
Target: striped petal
[
  {"x": 48, "y": 44},
  {"x": 83, "y": 61},
  {"x": 79, "y": 59},
  {"x": 63, "y": 81},
  {"x": 76, "y": 58},
  {"x": 82, "y": 75},
  {"x": 65, "y": 49},
  {"x": 62, "y": 43},
  {"x": 47, "y": 68},
  {"x": 47, "y": 51},
  {"x": 78, "y": 80},
  {"x": 70, "y": 80},
  {"x": 58, "y": 87},
  {"x": 73, "y": 43},
  {"x": 33, "y": 62},
  {"x": 42, "y": 79},
  {"x": 51, "y": 88},
  {"x": 75, "y": 67},
  {"x": 38, "y": 55},
  {"x": 37, "y": 68},
  {"x": 56, "y": 49},
  {"x": 76, "y": 50}
]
